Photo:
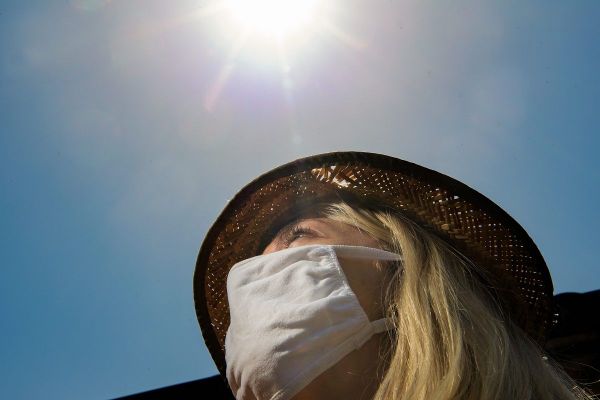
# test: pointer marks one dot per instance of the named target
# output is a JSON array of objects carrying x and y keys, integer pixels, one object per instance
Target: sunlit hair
[{"x": 451, "y": 339}]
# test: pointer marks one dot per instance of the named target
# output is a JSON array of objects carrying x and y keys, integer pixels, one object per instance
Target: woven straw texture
[{"x": 467, "y": 220}]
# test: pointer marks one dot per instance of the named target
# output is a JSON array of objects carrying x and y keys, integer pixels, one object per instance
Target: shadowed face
[{"x": 355, "y": 376}]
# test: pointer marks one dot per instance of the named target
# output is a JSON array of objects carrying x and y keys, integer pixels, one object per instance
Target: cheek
[
  {"x": 270, "y": 248},
  {"x": 367, "y": 280}
]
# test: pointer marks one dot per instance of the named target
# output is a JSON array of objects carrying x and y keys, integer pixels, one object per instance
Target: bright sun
[
  {"x": 269, "y": 33},
  {"x": 277, "y": 18}
]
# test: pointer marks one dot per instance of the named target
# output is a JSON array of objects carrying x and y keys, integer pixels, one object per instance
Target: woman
[{"x": 357, "y": 275}]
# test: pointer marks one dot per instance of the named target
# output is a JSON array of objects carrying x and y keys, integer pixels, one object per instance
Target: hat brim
[{"x": 464, "y": 218}]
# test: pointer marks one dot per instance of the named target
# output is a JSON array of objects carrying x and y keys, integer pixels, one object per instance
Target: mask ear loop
[
  {"x": 381, "y": 325},
  {"x": 383, "y": 259},
  {"x": 363, "y": 253},
  {"x": 395, "y": 271},
  {"x": 392, "y": 268}
]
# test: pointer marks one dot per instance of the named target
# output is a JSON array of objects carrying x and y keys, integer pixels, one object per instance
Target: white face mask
[{"x": 293, "y": 316}]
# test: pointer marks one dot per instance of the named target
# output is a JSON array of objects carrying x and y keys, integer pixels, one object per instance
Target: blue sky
[{"x": 126, "y": 126}]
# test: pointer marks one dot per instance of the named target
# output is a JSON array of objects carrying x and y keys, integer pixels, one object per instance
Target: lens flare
[{"x": 277, "y": 18}]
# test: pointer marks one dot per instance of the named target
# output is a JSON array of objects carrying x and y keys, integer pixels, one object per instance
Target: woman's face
[{"x": 355, "y": 376}]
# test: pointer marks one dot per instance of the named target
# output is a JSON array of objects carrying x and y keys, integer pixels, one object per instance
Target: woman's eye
[{"x": 296, "y": 232}]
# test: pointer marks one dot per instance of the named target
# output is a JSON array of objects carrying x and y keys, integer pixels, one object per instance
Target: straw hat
[{"x": 470, "y": 222}]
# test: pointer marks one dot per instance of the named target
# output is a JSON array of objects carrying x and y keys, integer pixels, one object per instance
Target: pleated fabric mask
[{"x": 293, "y": 316}]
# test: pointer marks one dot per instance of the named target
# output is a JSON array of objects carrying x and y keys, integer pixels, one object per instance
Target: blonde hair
[{"x": 451, "y": 339}]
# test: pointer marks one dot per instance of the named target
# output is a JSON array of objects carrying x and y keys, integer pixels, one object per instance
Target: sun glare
[
  {"x": 277, "y": 18},
  {"x": 269, "y": 36}
]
